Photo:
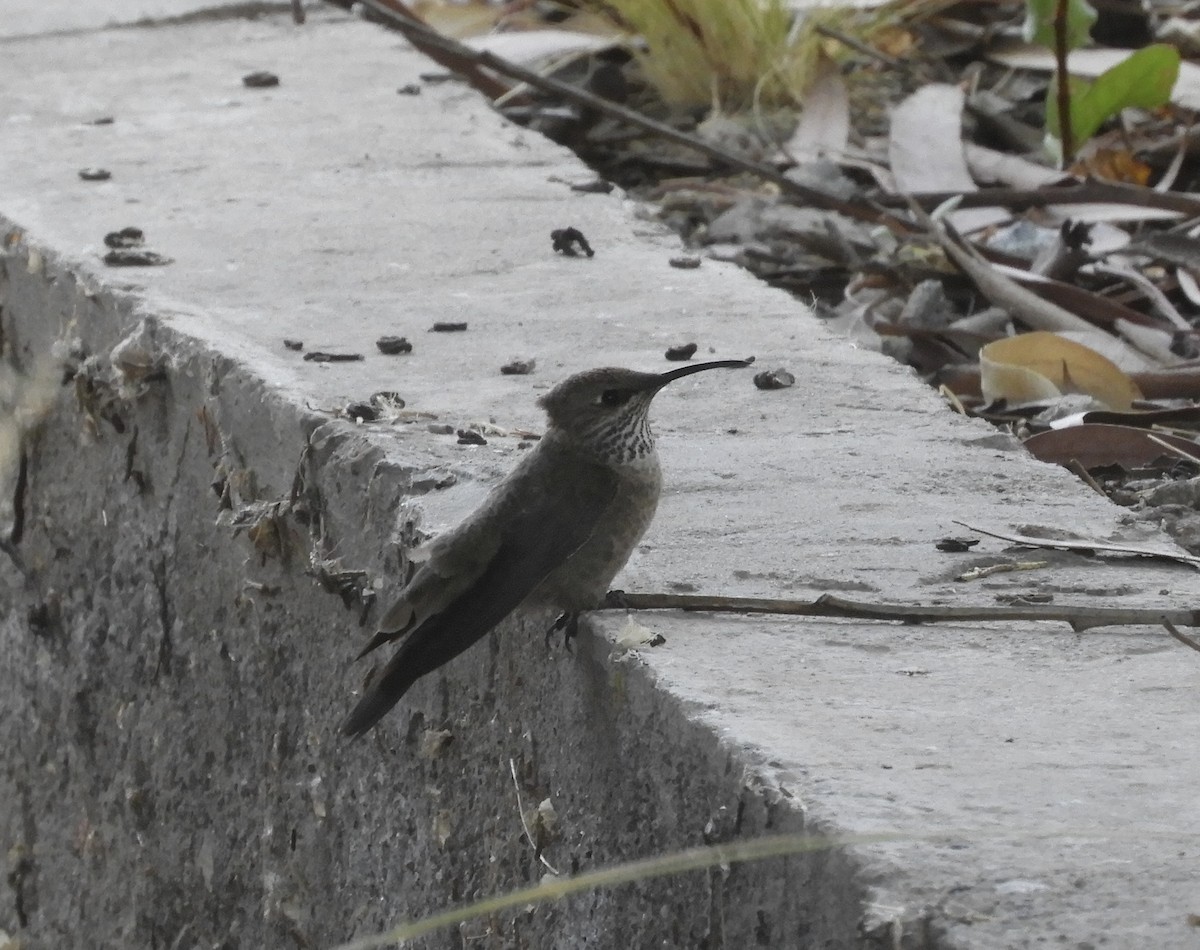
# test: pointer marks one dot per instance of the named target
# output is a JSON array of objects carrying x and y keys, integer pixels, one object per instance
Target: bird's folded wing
[{"x": 539, "y": 532}]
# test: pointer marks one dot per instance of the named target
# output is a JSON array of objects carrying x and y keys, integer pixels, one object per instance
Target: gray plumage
[{"x": 554, "y": 532}]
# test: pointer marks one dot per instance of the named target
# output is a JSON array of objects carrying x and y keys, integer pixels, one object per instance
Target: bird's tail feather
[{"x": 424, "y": 651}]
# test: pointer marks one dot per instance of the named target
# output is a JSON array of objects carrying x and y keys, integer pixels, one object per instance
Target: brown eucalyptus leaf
[{"x": 1095, "y": 445}]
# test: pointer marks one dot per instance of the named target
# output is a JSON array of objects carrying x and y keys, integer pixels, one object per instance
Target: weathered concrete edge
[{"x": 215, "y": 706}]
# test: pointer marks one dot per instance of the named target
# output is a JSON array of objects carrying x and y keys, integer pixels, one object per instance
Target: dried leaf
[
  {"x": 824, "y": 125},
  {"x": 1095, "y": 445},
  {"x": 925, "y": 151},
  {"x": 1139, "y": 419},
  {"x": 1113, "y": 165},
  {"x": 1188, "y": 285},
  {"x": 1040, "y": 367},
  {"x": 1182, "y": 249},
  {"x": 930, "y": 116},
  {"x": 988, "y": 165}
]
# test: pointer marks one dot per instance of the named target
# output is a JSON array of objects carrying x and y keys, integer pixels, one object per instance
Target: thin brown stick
[
  {"x": 1086, "y": 477},
  {"x": 828, "y": 605},
  {"x": 454, "y": 56},
  {"x": 1181, "y": 637},
  {"x": 1175, "y": 450},
  {"x": 1062, "y": 84}
]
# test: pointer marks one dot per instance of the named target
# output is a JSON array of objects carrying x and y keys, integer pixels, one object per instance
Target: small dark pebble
[
  {"x": 361, "y": 412},
  {"x": 95, "y": 174},
  {"x": 565, "y": 241},
  {"x": 518, "y": 367},
  {"x": 441, "y": 428},
  {"x": 135, "y": 257},
  {"x": 393, "y": 345},
  {"x": 103, "y": 120},
  {"x": 447, "y": 328},
  {"x": 317, "y": 356},
  {"x": 597, "y": 186},
  {"x": 774, "y": 379},
  {"x": 412, "y": 89},
  {"x": 436, "y": 77},
  {"x": 956, "y": 545},
  {"x": 296, "y": 345},
  {"x": 387, "y": 399},
  {"x": 260, "y": 80},
  {"x": 470, "y": 437},
  {"x": 126, "y": 237},
  {"x": 685, "y": 263},
  {"x": 680, "y": 353}
]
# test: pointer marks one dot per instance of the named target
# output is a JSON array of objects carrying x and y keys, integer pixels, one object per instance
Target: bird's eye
[{"x": 613, "y": 397}]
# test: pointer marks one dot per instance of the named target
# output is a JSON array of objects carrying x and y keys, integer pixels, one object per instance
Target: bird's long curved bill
[{"x": 671, "y": 375}]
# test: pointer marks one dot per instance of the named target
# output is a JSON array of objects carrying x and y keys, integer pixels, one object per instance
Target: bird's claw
[
  {"x": 615, "y": 600},
  {"x": 568, "y": 623}
]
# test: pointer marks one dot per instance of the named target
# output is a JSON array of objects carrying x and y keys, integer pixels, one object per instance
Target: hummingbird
[{"x": 553, "y": 533}]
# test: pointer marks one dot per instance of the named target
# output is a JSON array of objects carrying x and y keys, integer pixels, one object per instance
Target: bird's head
[{"x": 606, "y": 411}]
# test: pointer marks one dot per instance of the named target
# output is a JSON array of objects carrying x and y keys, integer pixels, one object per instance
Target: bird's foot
[
  {"x": 568, "y": 623},
  {"x": 615, "y": 600}
]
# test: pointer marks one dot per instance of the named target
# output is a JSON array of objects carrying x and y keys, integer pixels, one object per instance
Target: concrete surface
[{"x": 173, "y": 669}]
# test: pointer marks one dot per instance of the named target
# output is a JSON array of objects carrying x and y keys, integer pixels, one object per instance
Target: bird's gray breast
[{"x": 581, "y": 582}]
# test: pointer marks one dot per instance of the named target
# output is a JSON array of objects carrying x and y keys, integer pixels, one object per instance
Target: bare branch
[{"x": 827, "y": 605}]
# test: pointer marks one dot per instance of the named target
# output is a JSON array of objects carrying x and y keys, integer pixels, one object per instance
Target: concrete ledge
[
  {"x": 172, "y": 691},
  {"x": 173, "y": 671}
]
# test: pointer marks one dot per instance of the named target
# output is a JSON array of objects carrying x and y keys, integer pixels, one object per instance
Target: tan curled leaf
[
  {"x": 1041, "y": 366},
  {"x": 824, "y": 126},
  {"x": 925, "y": 151}
]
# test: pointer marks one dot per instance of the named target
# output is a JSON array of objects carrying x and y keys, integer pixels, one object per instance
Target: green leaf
[
  {"x": 1145, "y": 79},
  {"x": 1039, "y": 22}
]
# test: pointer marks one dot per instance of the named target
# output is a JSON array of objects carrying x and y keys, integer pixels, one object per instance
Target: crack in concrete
[{"x": 165, "y": 620}]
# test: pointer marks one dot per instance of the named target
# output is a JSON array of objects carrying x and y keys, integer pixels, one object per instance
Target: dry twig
[
  {"x": 512, "y": 768},
  {"x": 1181, "y": 637},
  {"x": 827, "y": 605}
]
